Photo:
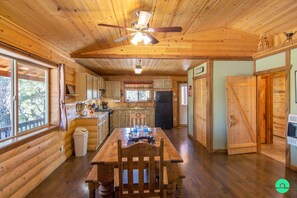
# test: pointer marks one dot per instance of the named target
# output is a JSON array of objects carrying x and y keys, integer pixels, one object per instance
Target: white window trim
[{"x": 14, "y": 97}]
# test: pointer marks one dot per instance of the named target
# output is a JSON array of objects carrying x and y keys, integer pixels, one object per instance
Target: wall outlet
[{"x": 62, "y": 148}]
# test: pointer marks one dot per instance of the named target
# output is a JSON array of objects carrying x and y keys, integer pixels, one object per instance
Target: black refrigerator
[{"x": 164, "y": 109}]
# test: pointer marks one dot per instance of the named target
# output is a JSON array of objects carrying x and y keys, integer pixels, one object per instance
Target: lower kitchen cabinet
[
  {"x": 97, "y": 127},
  {"x": 121, "y": 117}
]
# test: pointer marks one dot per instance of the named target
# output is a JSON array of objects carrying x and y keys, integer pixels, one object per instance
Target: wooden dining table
[{"x": 107, "y": 159}]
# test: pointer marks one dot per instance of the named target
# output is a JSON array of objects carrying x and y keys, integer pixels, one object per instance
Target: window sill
[{"x": 12, "y": 143}]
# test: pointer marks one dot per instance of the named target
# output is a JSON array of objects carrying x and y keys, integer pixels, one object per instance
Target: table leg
[
  {"x": 179, "y": 185},
  {"x": 92, "y": 190},
  {"x": 105, "y": 178},
  {"x": 105, "y": 189}
]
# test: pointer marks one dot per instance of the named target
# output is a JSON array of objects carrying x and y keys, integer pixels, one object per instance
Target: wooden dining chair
[
  {"x": 140, "y": 172},
  {"x": 137, "y": 119}
]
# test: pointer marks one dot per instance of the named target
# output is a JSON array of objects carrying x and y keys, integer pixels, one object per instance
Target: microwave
[{"x": 292, "y": 130}]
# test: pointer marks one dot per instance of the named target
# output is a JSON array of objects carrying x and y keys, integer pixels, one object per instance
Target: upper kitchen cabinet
[
  {"x": 87, "y": 87},
  {"x": 101, "y": 84},
  {"x": 162, "y": 84},
  {"x": 113, "y": 90},
  {"x": 95, "y": 89}
]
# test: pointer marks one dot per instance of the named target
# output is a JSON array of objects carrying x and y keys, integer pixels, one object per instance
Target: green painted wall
[
  {"x": 221, "y": 69},
  {"x": 270, "y": 62},
  {"x": 293, "y": 105},
  {"x": 190, "y": 103}
]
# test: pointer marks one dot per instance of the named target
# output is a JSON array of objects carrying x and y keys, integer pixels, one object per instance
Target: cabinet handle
[{"x": 230, "y": 121}]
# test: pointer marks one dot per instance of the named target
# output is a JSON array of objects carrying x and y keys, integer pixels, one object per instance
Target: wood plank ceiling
[{"x": 211, "y": 28}]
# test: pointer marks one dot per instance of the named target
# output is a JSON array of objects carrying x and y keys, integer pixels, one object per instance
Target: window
[
  {"x": 138, "y": 92},
  {"x": 32, "y": 97},
  {"x": 137, "y": 95},
  {"x": 5, "y": 98},
  {"x": 184, "y": 94},
  {"x": 23, "y": 97}
]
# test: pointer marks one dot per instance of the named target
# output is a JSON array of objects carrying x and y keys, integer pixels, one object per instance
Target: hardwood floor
[
  {"x": 207, "y": 175},
  {"x": 276, "y": 150}
]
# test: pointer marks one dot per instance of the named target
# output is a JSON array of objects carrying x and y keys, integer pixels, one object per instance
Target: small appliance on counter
[
  {"x": 80, "y": 107},
  {"x": 104, "y": 105}
]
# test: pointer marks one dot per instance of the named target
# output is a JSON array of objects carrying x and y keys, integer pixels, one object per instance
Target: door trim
[
  {"x": 178, "y": 100},
  {"x": 269, "y": 73},
  {"x": 209, "y": 105}
]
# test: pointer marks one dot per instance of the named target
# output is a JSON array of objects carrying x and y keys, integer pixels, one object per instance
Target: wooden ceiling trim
[
  {"x": 224, "y": 42},
  {"x": 275, "y": 50}
]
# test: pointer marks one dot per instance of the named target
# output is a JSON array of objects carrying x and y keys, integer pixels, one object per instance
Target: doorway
[
  {"x": 183, "y": 104},
  {"x": 200, "y": 110},
  {"x": 272, "y": 114}
]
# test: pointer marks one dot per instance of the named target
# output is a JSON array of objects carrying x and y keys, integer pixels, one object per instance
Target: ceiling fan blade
[
  {"x": 153, "y": 39},
  {"x": 165, "y": 29},
  {"x": 144, "y": 18},
  {"x": 116, "y": 26},
  {"x": 124, "y": 37}
]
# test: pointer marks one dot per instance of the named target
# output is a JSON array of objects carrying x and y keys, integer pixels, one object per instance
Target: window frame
[
  {"x": 14, "y": 97},
  {"x": 138, "y": 101}
]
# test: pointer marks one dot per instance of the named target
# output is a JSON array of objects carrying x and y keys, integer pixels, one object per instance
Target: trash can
[{"x": 80, "y": 137}]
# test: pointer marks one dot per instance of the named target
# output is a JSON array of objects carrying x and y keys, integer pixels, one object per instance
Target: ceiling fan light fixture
[
  {"x": 146, "y": 39},
  {"x": 138, "y": 69},
  {"x": 144, "y": 18},
  {"x": 137, "y": 38}
]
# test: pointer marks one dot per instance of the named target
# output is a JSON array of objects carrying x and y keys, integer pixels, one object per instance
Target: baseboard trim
[
  {"x": 220, "y": 151},
  {"x": 190, "y": 136},
  {"x": 294, "y": 168}
]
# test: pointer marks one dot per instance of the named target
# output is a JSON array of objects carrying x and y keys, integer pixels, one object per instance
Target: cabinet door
[
  {"x": 115, "y": 119},
  {"x": 158, "y": 84},
  {"x": 89, "y": 79},
  {"x": 116, "y": 90},
  {"x": 95, "y": 87},
  {"x": 167, "y": 83},
  {"x": 108, "y": 89},
  {"x": 122, "y": 119},
  {"x": 101, "y": 83}
]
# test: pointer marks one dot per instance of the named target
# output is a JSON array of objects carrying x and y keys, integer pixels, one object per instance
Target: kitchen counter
[
  {"x": 96, "y": 115},
  {"x": 97, "y": 126},
  {"x": 133, "y": 108}
]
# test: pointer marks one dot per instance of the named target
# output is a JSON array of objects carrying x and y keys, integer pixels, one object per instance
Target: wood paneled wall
[
  {"x": 122, "y": 79},
  {"x": 279, "y": 115},
  {"x": 26, "y": 166},
  {"x": 20, "y": 38}
]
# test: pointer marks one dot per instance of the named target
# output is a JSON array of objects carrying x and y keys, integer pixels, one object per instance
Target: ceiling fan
[{"x": 141, "y": 29}]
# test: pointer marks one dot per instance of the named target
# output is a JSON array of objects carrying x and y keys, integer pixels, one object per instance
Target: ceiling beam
[{"x": 217, "y": 43}]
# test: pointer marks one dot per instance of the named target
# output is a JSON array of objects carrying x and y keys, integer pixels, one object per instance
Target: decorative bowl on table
[{"x": 141, "y": 137}]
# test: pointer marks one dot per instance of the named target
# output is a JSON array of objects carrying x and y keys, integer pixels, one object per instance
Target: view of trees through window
[
  {"x": 32, "y": 98},
  {"x": 137, "y": 95},
  {"x": 5, "y": 98}
]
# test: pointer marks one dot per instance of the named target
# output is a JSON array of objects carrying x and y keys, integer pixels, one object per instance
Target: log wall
[{"x": 23, "y": 168}]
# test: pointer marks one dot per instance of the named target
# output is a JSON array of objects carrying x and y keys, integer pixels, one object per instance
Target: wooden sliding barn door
[
  {"x": 241, "y": 114},
  {"x": 200, "y": 106}
]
